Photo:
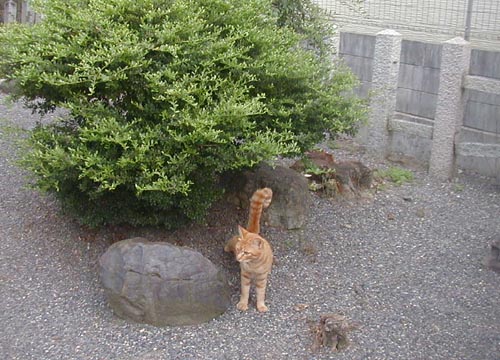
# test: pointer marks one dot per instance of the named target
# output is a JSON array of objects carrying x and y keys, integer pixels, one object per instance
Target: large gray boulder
[
  {"x": 291, "y": 198},
  {"x": 161, "y": 284}
]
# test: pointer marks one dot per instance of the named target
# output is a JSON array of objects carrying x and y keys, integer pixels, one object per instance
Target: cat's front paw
[
  {"x": 262, "y": 308},
  {"x": 243, "y": 306}
]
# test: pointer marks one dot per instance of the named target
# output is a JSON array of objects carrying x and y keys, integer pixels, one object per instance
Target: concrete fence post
[
  {"x": 455, "y": 60},
  {"x": 10, "y": 11},
  {"x": 384, "y": 86}
]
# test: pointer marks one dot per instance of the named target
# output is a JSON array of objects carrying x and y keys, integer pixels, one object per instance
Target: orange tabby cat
[
  {"x": 255, "y": 256},
  {"x": 253, "y": 252}
]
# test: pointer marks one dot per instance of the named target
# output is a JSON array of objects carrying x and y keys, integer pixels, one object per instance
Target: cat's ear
[
  {"x": 258, "y": 243},
  {"x": 242, "y": 231}
]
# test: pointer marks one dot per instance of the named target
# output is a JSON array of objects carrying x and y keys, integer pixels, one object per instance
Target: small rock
[
  {"x": 300, "y": 307},
  {"x": 492, "y": 261}
]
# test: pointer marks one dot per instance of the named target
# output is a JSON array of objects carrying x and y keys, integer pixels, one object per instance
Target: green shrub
[{"x": 163, "y": 96}]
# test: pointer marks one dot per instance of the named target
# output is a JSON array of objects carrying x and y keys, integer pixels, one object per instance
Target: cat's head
[{"x": 249, "y": 246}]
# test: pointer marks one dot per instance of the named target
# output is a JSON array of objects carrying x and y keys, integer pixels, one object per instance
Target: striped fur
[{"x": 260, "y": 200}]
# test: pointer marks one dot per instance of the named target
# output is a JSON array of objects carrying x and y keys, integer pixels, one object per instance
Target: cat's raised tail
[{"x": 260, "y": 200}]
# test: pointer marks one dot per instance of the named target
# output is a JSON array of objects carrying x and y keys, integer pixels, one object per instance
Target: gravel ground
[{"x": 404, "y": 263}]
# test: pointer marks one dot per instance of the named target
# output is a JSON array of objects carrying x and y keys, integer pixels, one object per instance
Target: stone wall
[
  {"x": 17, "y": 11},
  {"x": 438, "y": 102},
  {"x": 478, "y": 146}
]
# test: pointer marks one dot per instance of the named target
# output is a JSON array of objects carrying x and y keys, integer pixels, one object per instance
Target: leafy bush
[{"x": 163, "y": 96}]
